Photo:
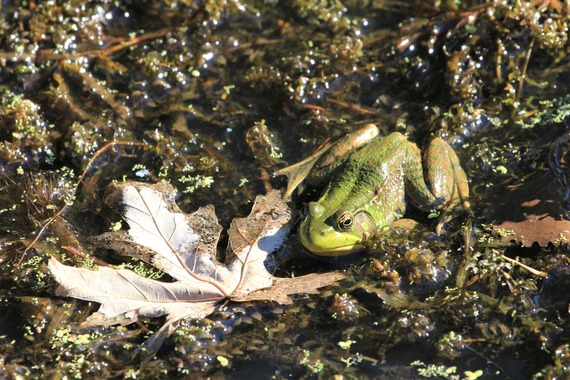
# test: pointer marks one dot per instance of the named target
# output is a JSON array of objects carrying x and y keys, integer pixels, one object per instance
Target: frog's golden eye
[{"x": 345, "y": 221}]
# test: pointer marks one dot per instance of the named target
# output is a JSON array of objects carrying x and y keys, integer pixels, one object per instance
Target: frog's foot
[
  {"x": 450, "y": 209},
  {"x": 442, "y": 221}
]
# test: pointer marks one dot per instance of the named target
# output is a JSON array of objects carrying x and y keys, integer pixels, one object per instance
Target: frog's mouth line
[
  {"x": 330, "y": 251},
  {"x": 338, "y": 251},
  {"x": 327, "y": 251}
]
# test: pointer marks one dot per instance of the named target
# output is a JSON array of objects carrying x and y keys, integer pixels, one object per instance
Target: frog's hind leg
[
  {"x": 444, "y": 175},
  {"x": 314, "y": 168},
  {"x": 446, "y": 179},
  {"x": 335, "y": 156}
]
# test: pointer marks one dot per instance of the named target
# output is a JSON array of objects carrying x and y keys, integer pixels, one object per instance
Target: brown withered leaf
[
  {"x": 532, "y": 211},
  {"x": 184, "y": 246},
  {"x": 284, "y": 287}
]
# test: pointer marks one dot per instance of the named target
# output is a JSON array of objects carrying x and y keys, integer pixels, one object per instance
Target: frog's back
[{"x": 389, "y": 151}]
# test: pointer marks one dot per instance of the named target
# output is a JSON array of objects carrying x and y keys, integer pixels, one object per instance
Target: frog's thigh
[{"x": 444, "y": 174}]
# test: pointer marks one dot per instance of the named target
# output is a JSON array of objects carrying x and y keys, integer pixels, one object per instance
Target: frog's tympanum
[{"x": 368, "y": 187}]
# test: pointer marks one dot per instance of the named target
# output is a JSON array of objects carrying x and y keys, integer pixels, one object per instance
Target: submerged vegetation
[{"x": 214, "y": 97}]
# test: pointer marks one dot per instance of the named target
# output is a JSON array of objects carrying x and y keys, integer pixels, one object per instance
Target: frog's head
[{"x": 334, "y": 234}]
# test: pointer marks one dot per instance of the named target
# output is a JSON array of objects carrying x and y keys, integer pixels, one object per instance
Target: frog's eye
[{"x": 345, "y": 221}]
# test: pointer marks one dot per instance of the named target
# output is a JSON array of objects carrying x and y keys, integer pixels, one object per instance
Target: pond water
[{"x": 214, "y": 97}]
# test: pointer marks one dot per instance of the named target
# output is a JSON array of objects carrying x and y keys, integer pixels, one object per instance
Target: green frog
[{"x": 369, "y": 180}]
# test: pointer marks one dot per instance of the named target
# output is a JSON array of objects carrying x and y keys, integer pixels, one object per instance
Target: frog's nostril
[{"x": 315, "y": 209}]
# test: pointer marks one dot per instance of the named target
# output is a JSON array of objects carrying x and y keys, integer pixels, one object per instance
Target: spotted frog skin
[{"x": 368, "y": 187}]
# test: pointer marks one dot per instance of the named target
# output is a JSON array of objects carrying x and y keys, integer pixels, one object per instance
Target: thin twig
[
  {"x": 523, "y": 77},
  {"x": 531, "y": 270}
]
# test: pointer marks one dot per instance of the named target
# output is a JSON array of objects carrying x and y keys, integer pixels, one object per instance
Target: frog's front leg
[{"x": 439, "y": 183}]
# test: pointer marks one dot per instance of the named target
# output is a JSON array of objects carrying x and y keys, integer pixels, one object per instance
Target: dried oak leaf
[
  {"x": 532, "y": 211},
  {"x": 184, "y": 246}
]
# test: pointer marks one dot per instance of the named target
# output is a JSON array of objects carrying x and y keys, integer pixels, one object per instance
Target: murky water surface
[{"x": 214, "y": 97}]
